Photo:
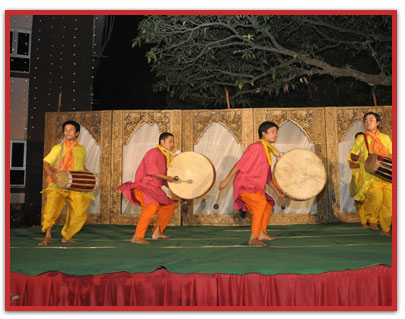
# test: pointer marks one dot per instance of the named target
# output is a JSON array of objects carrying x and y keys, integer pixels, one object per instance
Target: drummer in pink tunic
[
  {"x": 146, "y": 191},
  {"x": 253, "y": 171}
]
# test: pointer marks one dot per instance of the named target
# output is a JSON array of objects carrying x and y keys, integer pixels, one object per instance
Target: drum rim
[
  {"x": 213, "y": 180},
  {"x": 294, "y": 197}
]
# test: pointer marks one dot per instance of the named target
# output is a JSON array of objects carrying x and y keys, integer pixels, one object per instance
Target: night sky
[{"x": 123, "y": 79}]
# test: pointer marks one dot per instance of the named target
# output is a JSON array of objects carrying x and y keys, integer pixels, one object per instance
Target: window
[
  {"x": 20, "y": 48},
  {"x": 18, "y": 153}
]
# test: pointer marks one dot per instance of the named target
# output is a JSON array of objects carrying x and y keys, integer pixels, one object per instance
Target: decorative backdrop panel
[{"x": 117, "y": 140}]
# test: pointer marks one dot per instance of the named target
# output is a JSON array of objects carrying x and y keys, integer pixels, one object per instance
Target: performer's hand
[
  {"x": 172, "y": 179},
  {"x": 280, "y": 194},
  {"x": 223, "y": 184},
  {"x": 53, "y": 177}
]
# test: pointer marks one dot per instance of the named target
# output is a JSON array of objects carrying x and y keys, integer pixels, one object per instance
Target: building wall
[{"x": 19, "y": 89}]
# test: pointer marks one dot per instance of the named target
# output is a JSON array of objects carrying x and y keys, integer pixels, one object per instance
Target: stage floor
[{"x": 298, "y": 249}]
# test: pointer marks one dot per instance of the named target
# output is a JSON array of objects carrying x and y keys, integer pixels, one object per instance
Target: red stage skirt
[{"x": 363, "y": 287}]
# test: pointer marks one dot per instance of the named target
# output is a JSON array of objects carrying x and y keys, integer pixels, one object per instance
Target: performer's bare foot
[
  {"x": 136, "y": 240},
  {"x": 46, "y": 241},
  {"x": 364, "y": 226},
  {"x": 373, "y": 226},
  {"x": 386, "y": 233},
  {"x": 157, "y": 235},
  {"x": 256, "y": 242},
  {"x": 71, "y": 240},
  {"x": 266, "y": 237}
]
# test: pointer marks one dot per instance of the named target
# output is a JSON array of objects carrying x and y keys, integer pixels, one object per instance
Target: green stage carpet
[{"x": 299, "y": 249}]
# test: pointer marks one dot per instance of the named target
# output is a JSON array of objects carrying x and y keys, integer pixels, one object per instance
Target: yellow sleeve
[
  {"x": 53, "y": 155},
  {"x": 356, "y": 148},
  {"x": 388, "y": 144}
]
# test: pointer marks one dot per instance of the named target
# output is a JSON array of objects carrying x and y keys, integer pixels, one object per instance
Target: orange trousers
[
  {"x": 260, "y": 209},
  {"x": 164, "y": 212}
]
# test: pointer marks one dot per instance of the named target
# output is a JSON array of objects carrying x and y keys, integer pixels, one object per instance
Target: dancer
[
  {"x": 146, "y": 191},
  {"x": 253, "y": 171}
]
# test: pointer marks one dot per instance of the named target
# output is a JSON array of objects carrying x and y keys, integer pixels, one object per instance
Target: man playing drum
[
  {"x": 72, "y": 158},
  {"x": 253, "y": 171},
  {"x": 374, "y": 192},
  {"x": 146, "y": 191}
]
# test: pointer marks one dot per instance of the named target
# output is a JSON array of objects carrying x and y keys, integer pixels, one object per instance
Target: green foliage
[{"x": 198, "y": 57}]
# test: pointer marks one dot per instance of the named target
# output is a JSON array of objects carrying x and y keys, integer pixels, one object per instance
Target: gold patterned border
[
  {"x": 231, "y": 119},
  {"x": 303, "y": 118}
]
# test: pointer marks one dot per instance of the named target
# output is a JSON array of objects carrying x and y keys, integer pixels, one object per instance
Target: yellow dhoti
[
  {"x": 77, "y": 205},
  {"x": 377, "y": 204}
]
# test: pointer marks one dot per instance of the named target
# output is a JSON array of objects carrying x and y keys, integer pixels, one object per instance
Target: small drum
[
  {"x": 379, "y": 166},
  {"x": 196, "y": 175},
  {"x": 300, "y": 174},
  {"x": 80, "y": 181}
]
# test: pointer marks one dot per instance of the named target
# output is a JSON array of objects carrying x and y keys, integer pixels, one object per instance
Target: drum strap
[
  {"x": 269, "y": 149},
  {"x": 366, "y": 141},
  {"x": 60, "y": 155}
]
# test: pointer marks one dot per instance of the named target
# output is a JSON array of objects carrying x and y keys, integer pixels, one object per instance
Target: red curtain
[{"x": 363, "y": 287}]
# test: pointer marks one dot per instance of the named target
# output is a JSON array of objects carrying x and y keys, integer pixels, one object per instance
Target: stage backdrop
[{"x": 117, "y": 140}]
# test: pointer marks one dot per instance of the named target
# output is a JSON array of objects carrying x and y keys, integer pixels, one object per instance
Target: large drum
[
  {"x": 80, "y": 181},
  {"x": 300, "y": 174},
  {"x": 379, "y": 166},
  {"x": 196, "y": 175}
]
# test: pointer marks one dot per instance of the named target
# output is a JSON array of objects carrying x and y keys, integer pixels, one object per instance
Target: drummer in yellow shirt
[
  {"x": 373, "y": 192},
  {"x": 73, "y": 158}
]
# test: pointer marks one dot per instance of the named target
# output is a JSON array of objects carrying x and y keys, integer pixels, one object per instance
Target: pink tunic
[
  {"x": 254, "y": 172},
  {"x": 154, "y": 162}
]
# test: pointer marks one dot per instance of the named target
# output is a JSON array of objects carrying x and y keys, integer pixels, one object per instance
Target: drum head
[
  {"x": 300, "y": 174},
  {"x": 61, "y": 179},
  {"x": 196, "y": 175}
]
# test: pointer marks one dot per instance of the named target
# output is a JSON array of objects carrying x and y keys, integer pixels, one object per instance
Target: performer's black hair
[
  {"x": 376, "y": 115},
  {"x": 164, "y": 136},
  {"x": 358, "y": 133},
  {"x": 75, "y": 124},
  {"x": 265, "y": 126}
]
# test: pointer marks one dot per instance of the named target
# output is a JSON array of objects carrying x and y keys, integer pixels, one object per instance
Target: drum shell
[
  {"x": 379, "y": 166},
  {"x": 79, "y": 181}
]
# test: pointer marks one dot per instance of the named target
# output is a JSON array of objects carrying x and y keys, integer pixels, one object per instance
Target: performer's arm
[
  {"x": 164, "y": 177},
  {"x": 278, "y": 192},
  {"x": 48, "y": 171},
  {"x": 226, "y": 181}
]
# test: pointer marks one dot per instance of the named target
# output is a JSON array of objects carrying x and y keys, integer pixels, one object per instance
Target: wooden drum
[
  {"x": 80, "y": 181},
  {"x": 379, "y": 166},
  {"x": 196, "y": 175},
  {"x": 300, "y": 174}
]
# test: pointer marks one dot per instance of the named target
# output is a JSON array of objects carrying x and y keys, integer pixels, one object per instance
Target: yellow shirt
[
  {"x": 79, "y": 157},
  {"x": 360, "y": 146},
  {"x": 356, "y": 181}
]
